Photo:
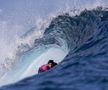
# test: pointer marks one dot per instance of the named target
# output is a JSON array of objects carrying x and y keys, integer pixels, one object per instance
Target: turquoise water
[{"x": 30, "y": 62}]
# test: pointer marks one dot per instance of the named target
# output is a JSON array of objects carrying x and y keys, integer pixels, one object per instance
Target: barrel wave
[{"x": 85, "y": 38}]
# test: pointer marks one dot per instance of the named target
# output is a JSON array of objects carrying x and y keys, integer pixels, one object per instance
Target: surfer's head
[{"x": 51, "y": 63}]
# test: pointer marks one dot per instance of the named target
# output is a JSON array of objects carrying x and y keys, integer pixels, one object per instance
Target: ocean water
[{"x": 82, "y": 42}]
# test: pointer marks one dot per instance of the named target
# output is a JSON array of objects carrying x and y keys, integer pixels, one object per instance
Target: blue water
[{"x": 86, "y": 65}]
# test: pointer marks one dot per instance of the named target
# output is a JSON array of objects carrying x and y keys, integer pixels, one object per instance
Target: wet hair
[{"x": 52, "y": 61}]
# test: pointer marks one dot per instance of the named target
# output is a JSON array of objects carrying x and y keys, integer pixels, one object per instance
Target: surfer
[{"x": 47, "y": 66}]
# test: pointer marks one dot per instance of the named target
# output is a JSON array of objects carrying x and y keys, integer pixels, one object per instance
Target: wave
[
  {"x": 12, "y": 50},
  {"x": 85, "y": 38}
]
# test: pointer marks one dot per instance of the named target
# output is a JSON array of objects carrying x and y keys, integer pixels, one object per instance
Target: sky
[
  {"x": 18, "y": 16},
  {"x": 26, "y": 12}
]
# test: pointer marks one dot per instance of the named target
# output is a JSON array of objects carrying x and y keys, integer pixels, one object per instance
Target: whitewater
[{"x": 76, "y": 38}]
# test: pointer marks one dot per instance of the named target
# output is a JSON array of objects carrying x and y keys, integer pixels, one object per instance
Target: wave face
[{"x": 85, "y": 67}]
